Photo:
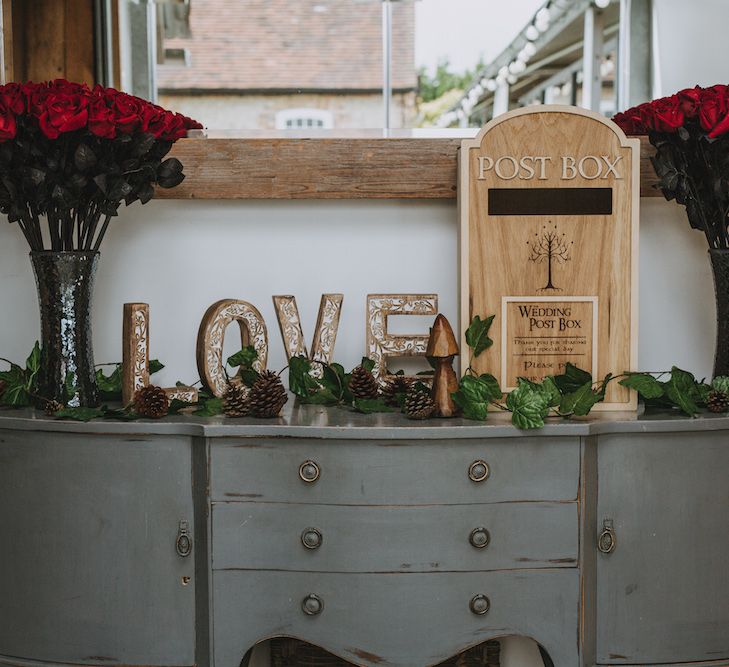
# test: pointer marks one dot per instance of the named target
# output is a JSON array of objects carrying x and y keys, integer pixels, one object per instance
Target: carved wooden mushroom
[{"x": 442, "y": 347}]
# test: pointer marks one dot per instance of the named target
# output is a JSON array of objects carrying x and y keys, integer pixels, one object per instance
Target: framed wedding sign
[{"x": 548, "y": 201}]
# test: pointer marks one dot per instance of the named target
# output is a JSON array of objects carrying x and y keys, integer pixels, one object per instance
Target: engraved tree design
[{"x": 552, "y": 247}]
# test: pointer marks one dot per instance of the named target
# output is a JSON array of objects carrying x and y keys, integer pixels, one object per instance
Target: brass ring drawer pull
[
  {"x": 479, "y": 605},
  {"x": 606, "y": 541},
  {"x": 479, "y": 538},
  {"x": 312, "y": 605},
  {"x": 479, "y": 471},
  {"x": 309, "y": 471},
  {"x": 311, "y": 538}
]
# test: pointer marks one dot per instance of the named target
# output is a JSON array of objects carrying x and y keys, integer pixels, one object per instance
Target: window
[{"x": 294, "y": 119}]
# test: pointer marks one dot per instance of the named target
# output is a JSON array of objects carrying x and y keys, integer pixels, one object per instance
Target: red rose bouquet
[
  {"x": 73, "y": 154},
  {"x": 690, "y": 131}
]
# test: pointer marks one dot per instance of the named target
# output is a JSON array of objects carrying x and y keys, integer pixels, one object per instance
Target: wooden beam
[
  {"x": 414, "y": 168},
  {"x": 52, "y": 39}
]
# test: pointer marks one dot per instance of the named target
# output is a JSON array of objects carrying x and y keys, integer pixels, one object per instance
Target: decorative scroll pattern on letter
[
  {"x": 325, "y": 334},
  {"x": 211, "y": 337},
  {"x": 380, "y": 344},
  {"x": 135, "y": 349}
]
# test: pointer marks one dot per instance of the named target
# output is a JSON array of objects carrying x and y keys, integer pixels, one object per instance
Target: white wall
[
  {"x": 692, "y": 48},
  {"x": 180, "y": 257}
]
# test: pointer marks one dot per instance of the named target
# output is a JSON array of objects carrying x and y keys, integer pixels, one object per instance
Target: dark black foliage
[
  {"x": 78, "y": 181},
  {"x": 694, "y": 170}
]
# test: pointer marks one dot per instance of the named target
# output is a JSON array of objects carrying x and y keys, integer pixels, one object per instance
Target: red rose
[
  {"x": 191, "y": 124},
  {"x": 13, "y": 96},
  {"x": 630, "y": 122},
  {"x": 667, "y": 114},
  {"x": 689, "y": 100},
  {"x": 712, "y": 106},
  {"x": 155, "y": 120},
  {"x": 59, "y": 107},
  {"x": 8, "y": 126},
  {"x": 127, "y": 111},
  {"x": 175, "y": 127},
  {"x": 644, "y": 116},
  {"x": 101, "y": 118}
]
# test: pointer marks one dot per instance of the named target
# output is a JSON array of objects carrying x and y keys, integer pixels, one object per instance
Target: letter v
[{"x": 325, "y": 334}]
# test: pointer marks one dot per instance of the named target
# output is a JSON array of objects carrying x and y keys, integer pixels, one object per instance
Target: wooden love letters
[
  {"x": 253, "y": 331},
  {"x": 549, "y": 243}
]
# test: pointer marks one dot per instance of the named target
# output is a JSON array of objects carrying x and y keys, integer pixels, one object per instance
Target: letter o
[
  {"x": 514, "y": 163},
  {"x": 598, "y": 164},
  {"x": 211, "y": 336}
]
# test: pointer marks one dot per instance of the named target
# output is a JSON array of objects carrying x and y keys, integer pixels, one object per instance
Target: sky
[{"x": 464, "y": 30}]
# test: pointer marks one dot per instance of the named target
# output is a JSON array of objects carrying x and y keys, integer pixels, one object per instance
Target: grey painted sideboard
[{"x": 390, "y": 543}]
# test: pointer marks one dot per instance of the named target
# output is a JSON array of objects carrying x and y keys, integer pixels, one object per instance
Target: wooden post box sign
[{"x": 548, "y": 202}]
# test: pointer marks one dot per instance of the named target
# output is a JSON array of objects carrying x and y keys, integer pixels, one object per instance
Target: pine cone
[
  {"x": 419, "y": 404},
  {"x": 235, "y": 401},
  {"x": 51, "y": 407},
  {"x": 267, "y": 396},
  {"x": 151, "y": 402},
  {"x": 362, "y": 384},
  {"x": 717, "y": 401},
  {"x": 395, "y": 386}
]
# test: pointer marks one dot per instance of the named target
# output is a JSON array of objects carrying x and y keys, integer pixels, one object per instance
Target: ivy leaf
[
  {"x": 69, "y": 387},
  {"x": 721, "y": 383},
  {"x": 210, "y": 408},
  {"x": 370, "y": 406},
  {"x": 681, "y": 389},
  {"x": 321, "y": 397},
  {"x": 16, "y": 393},
  {"x": 572, "y": 379},
  {"x": 245, "y": 357},
  {"x": 580, "y": 401},
  {"x": 477, "y": 411},
  {"x": 477, "y": 337},
  {"x": 107, "y": 383},
  {"x": 176, "y": 405},
  {"x": 646, "y": 385},
  {"x": 301, "y": 383},
  {"x": 529, "y": 405},
  {"x": 551, "y": 391},
  {"x": 368, "y": 364},
  {"x": 335, "y": 381},
  {"x": 155, "y": 366},
  {"x": 79, "y": 414},
  {"x": 474, "y": 395}
]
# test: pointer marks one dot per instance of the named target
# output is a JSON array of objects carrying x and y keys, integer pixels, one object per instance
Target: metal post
[
  {"x": 501, "y": 99},
  {"x": 104, "y": 54},
  {"x": 634, "y": 70},
  {"x": 591, "y": 57},
  {"x": 387, "y": 59},
  {"x": 143, "y": 24}
]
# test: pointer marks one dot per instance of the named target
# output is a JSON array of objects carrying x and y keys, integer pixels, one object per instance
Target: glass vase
[
  {"x": 720, "y": 266},
  {"x": 65, "y": 282}
]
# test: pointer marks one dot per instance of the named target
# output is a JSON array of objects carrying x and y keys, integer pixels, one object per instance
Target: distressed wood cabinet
[{"x": 186, "y": 542}]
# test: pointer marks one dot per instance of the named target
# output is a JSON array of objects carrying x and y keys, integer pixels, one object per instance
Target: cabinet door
[
  {"x": 89, "y": 571},
  {"x": 663, "y": 593}
]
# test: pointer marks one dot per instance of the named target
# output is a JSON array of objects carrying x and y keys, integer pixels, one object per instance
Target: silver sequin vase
[{"x": 65, "y": 283}]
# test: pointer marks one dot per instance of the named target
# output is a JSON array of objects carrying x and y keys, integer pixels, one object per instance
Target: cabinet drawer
[
  {"x": 395, "y": 619},
  {"x": 385, "y": 539},
  {"x": 395, "y": 472}
]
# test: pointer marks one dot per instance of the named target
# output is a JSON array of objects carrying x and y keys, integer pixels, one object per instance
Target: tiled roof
[{"x": 291, "y": 44}]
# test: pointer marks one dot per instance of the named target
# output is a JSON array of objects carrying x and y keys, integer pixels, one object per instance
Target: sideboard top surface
[{"x": 310, "y": 421}]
